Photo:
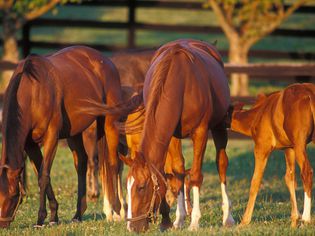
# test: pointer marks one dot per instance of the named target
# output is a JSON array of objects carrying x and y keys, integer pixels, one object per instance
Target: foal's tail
[{"x": 122, "y": 109}]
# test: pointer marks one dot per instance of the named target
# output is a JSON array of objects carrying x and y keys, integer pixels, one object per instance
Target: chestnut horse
[
  {"x": 185, "y": 93},
  {"x": 132, "y": 67},
  {"x": 174, "y": 165},
  {"x": 282, "y": 120},
  {"x": 41, "y": 106}
]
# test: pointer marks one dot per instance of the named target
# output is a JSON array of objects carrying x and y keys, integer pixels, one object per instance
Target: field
[{"x": 271, "y": 214}]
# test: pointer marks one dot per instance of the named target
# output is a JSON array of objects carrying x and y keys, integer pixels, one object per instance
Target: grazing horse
[
  {"x": 174, "y": 163},
  {"x": 185, "y": 93},
  {"x": 282, "y": 120},
  {"x": 41, "y": 106}
]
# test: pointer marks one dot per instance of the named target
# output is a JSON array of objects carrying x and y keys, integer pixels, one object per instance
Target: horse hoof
[
  {"x": 76, "y": 220},
  {"x": 229, "y": 222},
  {"x": 37, "y": 226},
  {"x": 165, "y": 226},
  {"x": 193, "y": 227},
  {"x": 53, "y": 223}
]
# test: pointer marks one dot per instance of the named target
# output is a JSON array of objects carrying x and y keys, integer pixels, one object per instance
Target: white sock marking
[
  {"x": 130, "y": 182},
  {"x": 195, "y": 214},
  {"x": 180, "y": 211},
  {"x": 227, "y": 216},
  {"x": 307, "y": 208}
]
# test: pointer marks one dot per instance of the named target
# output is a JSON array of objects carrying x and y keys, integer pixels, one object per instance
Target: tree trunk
[
  {"x": 10, "y": 48},
  {"x": 238, "y": 54}
]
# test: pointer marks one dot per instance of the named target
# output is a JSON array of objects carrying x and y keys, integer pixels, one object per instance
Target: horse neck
[
  {"x": 242, "y": 121},
  {"x": 154, "y": 146}
]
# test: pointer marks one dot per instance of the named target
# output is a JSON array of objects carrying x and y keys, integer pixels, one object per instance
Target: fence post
[
  {"x": 131, "y": 23},
  {"x": 26, "y": 42}
]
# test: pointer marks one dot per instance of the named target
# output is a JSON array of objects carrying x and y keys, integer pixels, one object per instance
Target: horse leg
[
  {"x": 290, "y": 182},
  {"x": 90, "y": 145},
  {"x": 261, "y": 157},
  {"x": 35, "y": 155},
  {"x": 120, "y": 192},
  {"x": 180, "y": 210},
  {"x": 50, "y": 147},
  {"x": 187, "y": 189},
  {"x": 199, "y": 138},
  {"x": 165, "y": 212},
  {"x": 80, "y": 159},
  {"x": 307, "y": 179},
  {"x": 108, "y": 146},
  {"x": 220, "y": 141},
  {"x": 177, "y": 164}
]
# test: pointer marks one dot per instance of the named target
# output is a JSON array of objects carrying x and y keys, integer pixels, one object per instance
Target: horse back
[
  {"x": 285, "y": 118},
  {"x": 82, "y": 74}
]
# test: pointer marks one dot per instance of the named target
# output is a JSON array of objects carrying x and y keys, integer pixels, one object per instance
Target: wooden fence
[
  {"x": 132, "y": 25},
  {"x": 283, "y": 71}
]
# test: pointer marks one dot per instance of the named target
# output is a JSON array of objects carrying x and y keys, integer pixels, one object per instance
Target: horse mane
[
  {"x": 161, "y": 63},
  {"x": 11, "y": 119}
]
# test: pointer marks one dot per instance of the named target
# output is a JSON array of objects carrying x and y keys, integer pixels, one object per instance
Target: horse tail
[
  {"x": 122, "y": 109},
  {"x": 312, "y": 105}
]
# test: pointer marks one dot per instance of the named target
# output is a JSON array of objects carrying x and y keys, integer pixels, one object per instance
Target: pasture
[{"x": 271, "y": 214}]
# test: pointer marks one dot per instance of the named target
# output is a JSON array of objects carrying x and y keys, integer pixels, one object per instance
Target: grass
[{"x": 271, "y": 214}]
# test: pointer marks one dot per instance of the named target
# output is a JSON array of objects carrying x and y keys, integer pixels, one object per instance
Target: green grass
[{"x": 271, "y": 214}]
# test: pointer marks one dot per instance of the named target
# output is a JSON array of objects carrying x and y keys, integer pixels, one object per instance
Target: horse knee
[
  {"x": 196, "y": 180},
  {"x": 307, "y": 177}
]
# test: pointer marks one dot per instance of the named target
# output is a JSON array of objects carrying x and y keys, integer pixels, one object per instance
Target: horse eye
[{"x": 141, "y": 187}]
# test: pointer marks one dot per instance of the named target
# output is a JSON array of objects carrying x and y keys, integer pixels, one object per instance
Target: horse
[
  {"x": 41, "y": 105},
  {"x": 185, "y": 94},
  {"x": 173, "y": 165},
  {"x": 282, "y": 120},
  {"x": 132, "y": 67}
]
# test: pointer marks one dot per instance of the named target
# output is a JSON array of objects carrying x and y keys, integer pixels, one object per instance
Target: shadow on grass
[{"x": 273, "y": 198}]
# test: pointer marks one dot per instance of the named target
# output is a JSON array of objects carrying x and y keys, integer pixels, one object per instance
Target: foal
[{"x": 282, "y": 120}]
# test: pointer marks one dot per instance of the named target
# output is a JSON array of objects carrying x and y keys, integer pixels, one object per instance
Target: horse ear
[{"x": 128, "y": 161}]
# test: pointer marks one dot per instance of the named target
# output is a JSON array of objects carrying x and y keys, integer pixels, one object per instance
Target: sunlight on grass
[{"x": 271, "y": 214}]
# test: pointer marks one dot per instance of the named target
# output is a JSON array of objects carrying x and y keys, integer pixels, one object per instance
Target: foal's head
[
  {"x": 145, "y": 186},
  {"x": 10, "y": 194}
]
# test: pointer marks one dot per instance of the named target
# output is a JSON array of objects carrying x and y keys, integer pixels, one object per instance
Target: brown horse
[
  {"x": 282, "y": 120},
  {"x": 173, "y": 165},
  {"x": 41, "y": 106},
  {"x": 132, "y": 67},
  {"x": 186, "y": 93}
]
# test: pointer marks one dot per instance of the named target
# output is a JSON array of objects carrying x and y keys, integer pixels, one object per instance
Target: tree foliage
[
  {"x": 251, "y": 20},
  {"x": 245, "y": 22},
  {"x": 21, "y": 11}
]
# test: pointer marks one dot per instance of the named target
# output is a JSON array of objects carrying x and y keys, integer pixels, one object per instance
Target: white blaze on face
[
  {"x": 307, "y": 208},
  {"x": 130, "y": 182}
]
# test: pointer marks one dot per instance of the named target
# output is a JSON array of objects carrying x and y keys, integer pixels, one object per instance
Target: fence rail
[{"x": 132, "y": 25}]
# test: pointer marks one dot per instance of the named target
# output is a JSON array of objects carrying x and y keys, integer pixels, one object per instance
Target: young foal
[
  {"x": 41, "y": 106},
  {"x": 185, "y": 93},
  {"x": 282, "y": 120}
]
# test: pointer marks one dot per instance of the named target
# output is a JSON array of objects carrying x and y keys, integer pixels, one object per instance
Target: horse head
[
  {"x": 146, "y": 187},
  {"x": 11, "y": 192}
]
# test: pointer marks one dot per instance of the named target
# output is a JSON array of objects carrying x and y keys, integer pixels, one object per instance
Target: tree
[
  {"x": 244, "y": 22},
  {"x": 15, "y": 13}
]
